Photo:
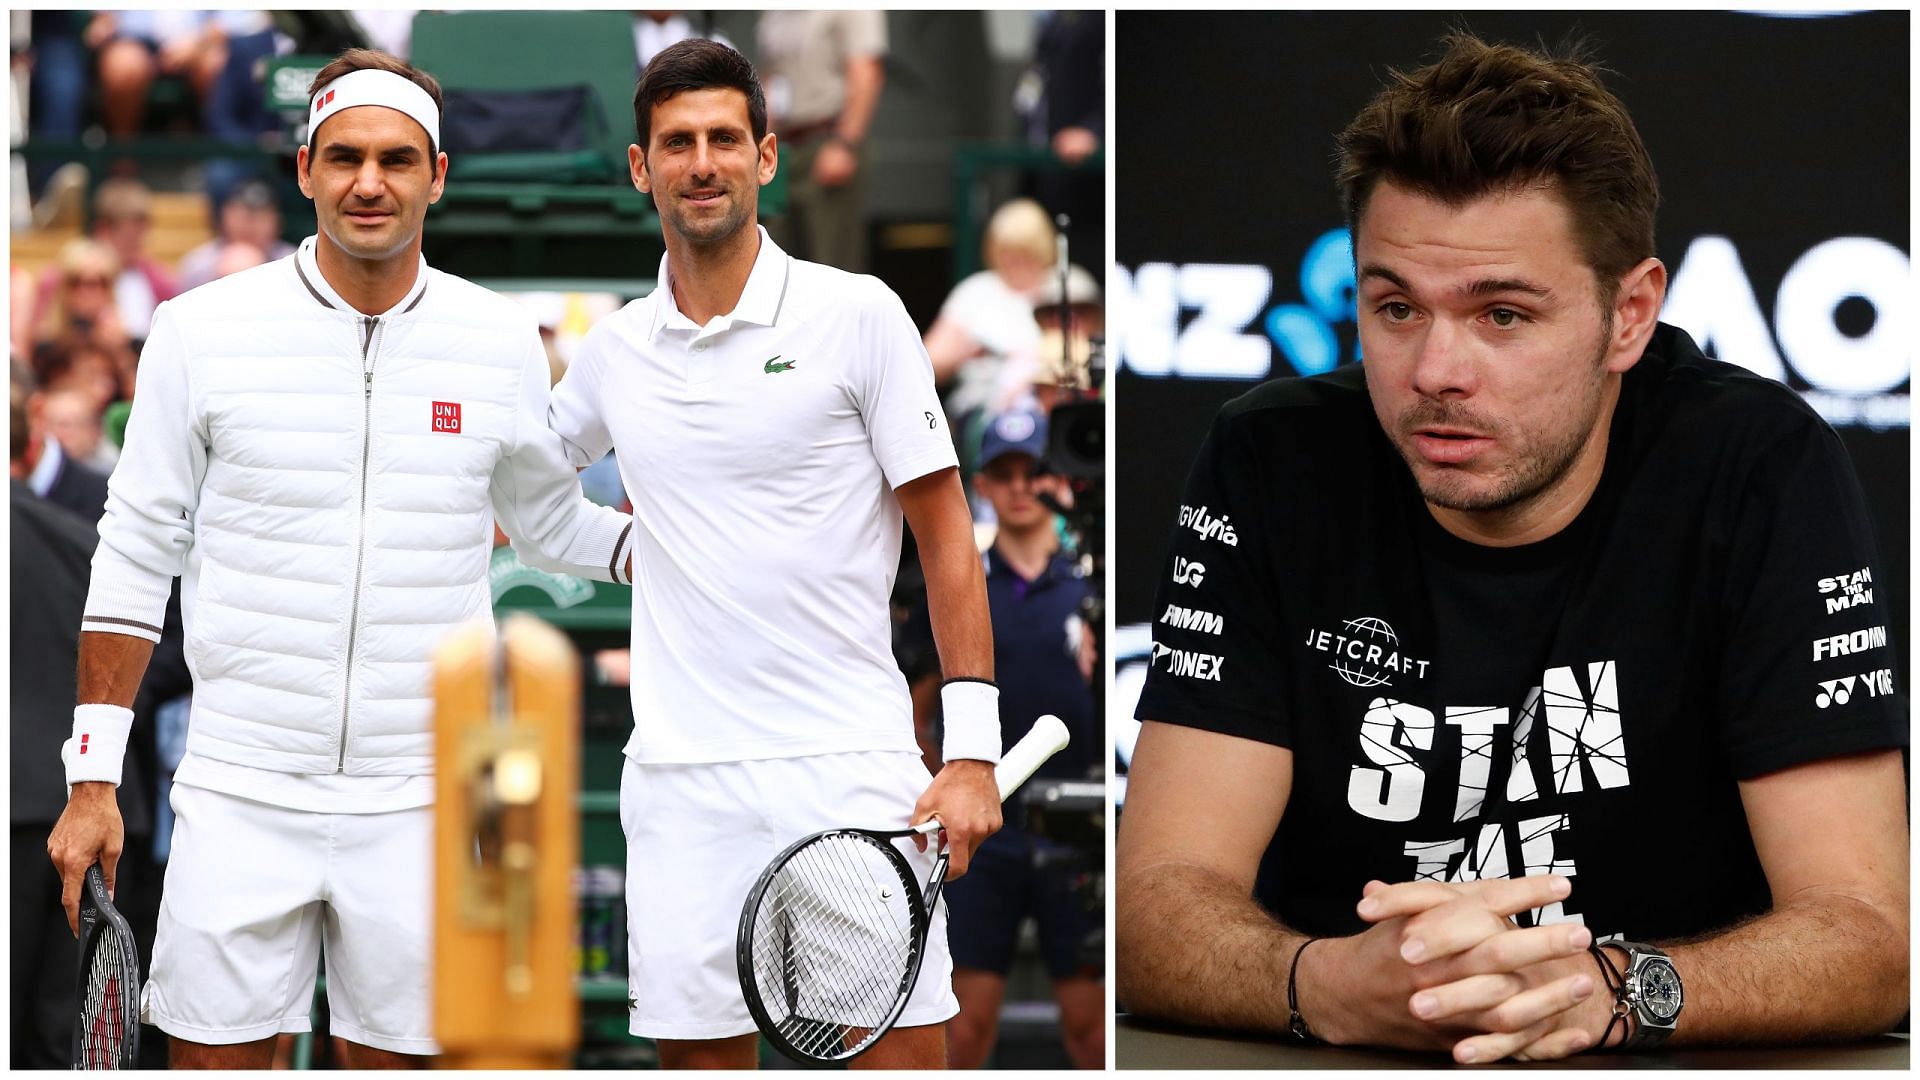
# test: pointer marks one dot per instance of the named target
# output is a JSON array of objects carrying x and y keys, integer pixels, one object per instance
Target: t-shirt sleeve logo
[{"x": 446, "y": 417}]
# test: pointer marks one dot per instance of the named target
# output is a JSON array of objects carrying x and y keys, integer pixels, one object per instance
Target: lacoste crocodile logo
[{"x": 774, "y": 365}]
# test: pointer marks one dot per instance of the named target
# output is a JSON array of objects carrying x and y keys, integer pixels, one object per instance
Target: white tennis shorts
[
  {"x": 698, "y": 837},
  {"x": 252, "y": 891}
]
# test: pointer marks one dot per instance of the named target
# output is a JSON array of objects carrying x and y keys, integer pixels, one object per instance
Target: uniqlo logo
[
  {"x": 83, "y": 743},
  {"x": 446, "y": 416},
  {"x": 323, "y": 101}
]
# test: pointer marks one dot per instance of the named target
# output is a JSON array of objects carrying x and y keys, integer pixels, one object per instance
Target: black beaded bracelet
[
  {"x": 1617, "y": 983},
  {"x": 1297, "y": 1024}
]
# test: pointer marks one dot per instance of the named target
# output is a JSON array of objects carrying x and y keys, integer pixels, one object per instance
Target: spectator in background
[
  {"x": 1043, "y": 656},
  {"x": 234, "y": 107},
  {"x": 72, "y": 420},
  {"x": 76, "y": 311},
  {"x": 37, "y": 461},
  {"x": 655, "y": 30},
  {"x": 135, "y": 47},
  {"x": 823, "y": 71},
  {"x": 1063, "y": 101},
  {"x": 989, "y": 316},
  {"x": 51, "y": 549},
  {"x": 1035, "y": 378},
  {"x": 57, "y": 95},
  {"x": 83, "y": 368},
  {"x": 53, "y": 539},
  {"x": 122, "y": 220},
  {"x": 248, "y": 234}
]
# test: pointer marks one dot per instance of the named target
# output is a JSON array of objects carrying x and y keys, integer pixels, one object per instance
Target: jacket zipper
[{"x": 360, "y": 555}]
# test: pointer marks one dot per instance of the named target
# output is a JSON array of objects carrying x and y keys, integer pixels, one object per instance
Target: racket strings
[
  {"x": 833, "y": 944},
  {"x": 107, "y": 1010}
]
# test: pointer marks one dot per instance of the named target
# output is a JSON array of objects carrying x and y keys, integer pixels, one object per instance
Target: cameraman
[{"x": 1043, "y": 661}]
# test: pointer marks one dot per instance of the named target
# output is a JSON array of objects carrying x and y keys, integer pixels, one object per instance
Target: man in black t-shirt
[{"x": 1537, "y": 630}]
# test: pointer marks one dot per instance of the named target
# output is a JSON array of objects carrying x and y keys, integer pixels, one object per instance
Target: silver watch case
[{"x": 1653, "y": 992}]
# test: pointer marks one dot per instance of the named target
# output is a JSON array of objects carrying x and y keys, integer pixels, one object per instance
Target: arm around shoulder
[{"x": 537, "y": 496}]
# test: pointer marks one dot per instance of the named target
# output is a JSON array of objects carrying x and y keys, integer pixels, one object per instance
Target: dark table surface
[{"x": 1146, "y": 1044}]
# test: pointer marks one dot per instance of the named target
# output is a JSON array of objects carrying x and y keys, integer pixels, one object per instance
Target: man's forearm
[
  {"x": 1190, "y": 945},
  {"x": 111, "y": 667},
  {"x": 1818, "y": 966},
  {"x": 865, "y": 76}
]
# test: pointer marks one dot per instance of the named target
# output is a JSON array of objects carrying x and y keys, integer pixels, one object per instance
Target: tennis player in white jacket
[{"x": 320, "y": 447}]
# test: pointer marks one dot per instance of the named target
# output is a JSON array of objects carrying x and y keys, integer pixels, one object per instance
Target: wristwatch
[{"x": 1649, "y": 990}]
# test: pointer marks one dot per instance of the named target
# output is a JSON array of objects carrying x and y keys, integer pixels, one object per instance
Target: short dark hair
[
  {"x": 697, "y": 64},
  {"x": 1486, "y": 118},
  {"x": 373, "y": 59}
]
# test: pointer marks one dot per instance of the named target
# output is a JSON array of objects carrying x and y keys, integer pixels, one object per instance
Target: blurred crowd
[{"x": 1008, "y": 345}]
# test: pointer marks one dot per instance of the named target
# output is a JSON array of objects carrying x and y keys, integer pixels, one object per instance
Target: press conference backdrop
[{"x": 1781, "y": 145}]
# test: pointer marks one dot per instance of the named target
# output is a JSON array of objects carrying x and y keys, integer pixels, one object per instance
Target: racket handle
[{"x": 1047, "y": 738}]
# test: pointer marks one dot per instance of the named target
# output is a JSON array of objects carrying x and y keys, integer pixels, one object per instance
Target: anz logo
[
  {"x": 1233, "y": 332},
  {"x": 1841, "y": 320}
]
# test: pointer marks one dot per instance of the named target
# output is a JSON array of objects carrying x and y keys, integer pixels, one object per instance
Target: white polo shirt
[{"x": 761, "y": 452}]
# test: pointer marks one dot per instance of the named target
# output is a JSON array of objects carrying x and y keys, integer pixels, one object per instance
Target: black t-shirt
[{"x": 1584, "y": 705}]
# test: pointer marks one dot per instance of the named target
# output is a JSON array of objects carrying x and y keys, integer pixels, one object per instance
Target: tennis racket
[
  {"x": 834, "y": 931},
  {"x": 106, "y": 1033}
]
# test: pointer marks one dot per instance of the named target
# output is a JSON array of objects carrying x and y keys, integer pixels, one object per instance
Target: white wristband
[
  {"x": 99, "y": 743},
  {"x": 970, "y": 713}
]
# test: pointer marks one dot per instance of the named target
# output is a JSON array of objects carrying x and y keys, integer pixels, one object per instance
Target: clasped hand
[{"x": 1444, "y": 966}]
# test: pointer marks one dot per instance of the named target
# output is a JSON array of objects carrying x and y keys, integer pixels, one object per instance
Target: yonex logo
[
  {"x": 1191, "y": 665},
  {"x": 774, "y": 365},
  {"x": 1840, "y": 691},
  {"x": 446, "y": 417}
]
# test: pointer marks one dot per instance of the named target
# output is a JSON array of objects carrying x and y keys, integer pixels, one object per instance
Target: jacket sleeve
[
  {"x": 537, "y": 499},
  {"x": 153, "y": 495}
]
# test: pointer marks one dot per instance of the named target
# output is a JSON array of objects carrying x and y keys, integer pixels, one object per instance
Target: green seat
[{"x": 535, "y": 50}]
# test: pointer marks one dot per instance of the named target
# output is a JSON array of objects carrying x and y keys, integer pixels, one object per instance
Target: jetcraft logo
[{"x": 1366, "y": 653}]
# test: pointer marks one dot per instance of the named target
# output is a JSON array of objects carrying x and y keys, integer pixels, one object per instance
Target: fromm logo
[{"x": 775, "y": 365}]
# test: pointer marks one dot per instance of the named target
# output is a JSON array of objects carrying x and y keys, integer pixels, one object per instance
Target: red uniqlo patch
[
  {"x": 446, "y": 416},
  {"x": 83, "y": 743},
  {"x": 323, "y": 101}
]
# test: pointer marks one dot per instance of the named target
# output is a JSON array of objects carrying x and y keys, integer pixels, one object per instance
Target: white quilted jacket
[{"x": 327, "y": 483}]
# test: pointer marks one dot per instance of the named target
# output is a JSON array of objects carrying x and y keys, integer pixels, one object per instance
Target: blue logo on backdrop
[{"x": 1304, "y": 333}]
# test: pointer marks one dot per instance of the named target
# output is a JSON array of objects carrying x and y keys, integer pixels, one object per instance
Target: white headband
[{"x": 372, "y": 86}]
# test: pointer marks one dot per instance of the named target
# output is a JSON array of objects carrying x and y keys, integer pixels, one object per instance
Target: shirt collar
[
  {"x": 47, "y": 469},
  {"x": 307, "y": 264},
  {"x": 760, "y": 301}
]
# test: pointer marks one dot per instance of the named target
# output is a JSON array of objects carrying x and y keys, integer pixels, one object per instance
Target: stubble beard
[
  {"x": 714, "y": 231},
  {"x": 1534, "y": 466}
]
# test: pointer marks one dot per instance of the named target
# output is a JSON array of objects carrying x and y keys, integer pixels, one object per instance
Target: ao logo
[{"x": 1712, "y": 300}]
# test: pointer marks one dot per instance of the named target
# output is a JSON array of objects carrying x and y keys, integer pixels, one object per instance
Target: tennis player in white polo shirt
[
  {"x": 321, "y": 447},
  {"x": 774, "y": 420}
]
